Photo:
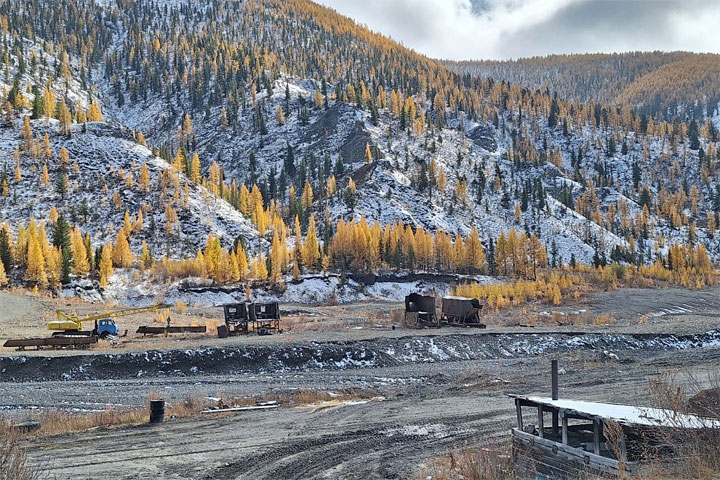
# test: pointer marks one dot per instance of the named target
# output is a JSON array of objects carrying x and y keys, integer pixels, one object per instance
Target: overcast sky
[{"x": 505, "y": 29}]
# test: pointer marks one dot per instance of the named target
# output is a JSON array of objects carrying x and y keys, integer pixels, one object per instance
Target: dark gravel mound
[{"x": 379, "y": 352}]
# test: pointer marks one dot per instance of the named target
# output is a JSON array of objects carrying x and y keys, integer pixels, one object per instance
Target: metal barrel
[
  {"x": 157, "y": 411},
  {"x": 222, "y": 331}
]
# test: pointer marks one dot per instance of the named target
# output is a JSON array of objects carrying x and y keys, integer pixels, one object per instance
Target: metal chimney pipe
[{"x": 554, "y": 368}]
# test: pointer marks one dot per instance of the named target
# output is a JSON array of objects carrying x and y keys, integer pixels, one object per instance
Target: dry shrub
[
  {"x": 332, "y": 300},
  {"x": 680, "y": 452},
  {"x": 180, "y": 307},
  {"x": 558, "y": 317},
  {"x": 471, "y": 464},
  {"x": 604, "y": 319},
  {"x": 548, "y": 288},
  {"x": 187, "y": 408},
  {"x": 56, "y": 422},
  {"x": 211, "y": 325},
  {"x": 13, "y": 458},
  {"x": 616, "y": 441}
]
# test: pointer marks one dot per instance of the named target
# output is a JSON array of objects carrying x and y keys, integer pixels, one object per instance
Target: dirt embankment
[{"x": 379, "y": 352}]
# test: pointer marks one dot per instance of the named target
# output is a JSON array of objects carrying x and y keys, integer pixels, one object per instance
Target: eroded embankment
[{"x": 379, "y": 352}]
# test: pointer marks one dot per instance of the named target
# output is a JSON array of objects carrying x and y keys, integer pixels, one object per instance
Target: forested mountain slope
[
  {"x": 290, "y": 133},
  {"x": 660, "y": 84}
]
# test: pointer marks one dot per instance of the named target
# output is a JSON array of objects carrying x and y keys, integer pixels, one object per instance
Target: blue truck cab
[{"x": 105, "y": 327}]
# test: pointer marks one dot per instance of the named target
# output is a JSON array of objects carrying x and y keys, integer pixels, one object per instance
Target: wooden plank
[
  {"x": 541, "y": 421},
  {"x": 596, "y": 437},
  {"x": 518, "y": 410},
  {"x": 51, "y": 341},
  {"x": 241, "y": 409},
  {"x": 564, "y": 427},
  {"x": 148, "y": 330},
  {"x": 551, "y": 448}
]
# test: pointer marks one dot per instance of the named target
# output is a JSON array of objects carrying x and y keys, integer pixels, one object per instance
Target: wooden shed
[{"x": 569, "y": 439}]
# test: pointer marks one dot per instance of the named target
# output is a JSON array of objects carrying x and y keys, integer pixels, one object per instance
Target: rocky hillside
[
  {"x": 284, "y": 94},
  {"x": 103, "y": 178}
]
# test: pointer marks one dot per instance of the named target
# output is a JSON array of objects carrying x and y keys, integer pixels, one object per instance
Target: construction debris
[
  {"x": 259, "y": 406},
  {"x": 147, "y": 330},
  {"x": 52, "y": 342}
]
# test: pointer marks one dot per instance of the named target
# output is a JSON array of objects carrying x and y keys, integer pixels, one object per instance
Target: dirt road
[
  {"x": 433, "y": 391},
  {"x": 449, "y": 406}
]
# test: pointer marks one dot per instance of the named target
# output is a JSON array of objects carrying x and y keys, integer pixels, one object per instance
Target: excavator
[{"x": 70, "y": 325}]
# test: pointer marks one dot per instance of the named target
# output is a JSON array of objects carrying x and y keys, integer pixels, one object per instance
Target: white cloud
[{"x": 501, "y": 29}]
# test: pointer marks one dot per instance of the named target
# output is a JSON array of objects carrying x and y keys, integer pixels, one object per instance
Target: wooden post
[
  {"x": 518, "y": 409},
  {"x": 564, "y": 427},
  {"x": 596, "y": 436},
  {"x": 554, "y": 374},
  {"x": 541, "y": 422}
]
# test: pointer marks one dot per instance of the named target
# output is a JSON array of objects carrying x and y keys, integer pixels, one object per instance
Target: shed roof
[{"x": 626, "y": 414}]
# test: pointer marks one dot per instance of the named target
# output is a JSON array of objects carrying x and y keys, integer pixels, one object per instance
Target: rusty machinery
[
  {"x": 461, "y": 312},
  {"x": 242, "y": 318},
  {"x": 421, "y": 311},
  {"x": 430, "y": 311}
]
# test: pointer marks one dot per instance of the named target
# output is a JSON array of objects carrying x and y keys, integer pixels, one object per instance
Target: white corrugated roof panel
[{"x": 626, "y": 414}]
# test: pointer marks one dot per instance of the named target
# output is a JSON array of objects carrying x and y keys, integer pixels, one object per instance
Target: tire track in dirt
[{"x": 310, "y": 457}]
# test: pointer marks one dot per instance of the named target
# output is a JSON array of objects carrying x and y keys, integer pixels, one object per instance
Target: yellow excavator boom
[{"x": 68, "y": 321}]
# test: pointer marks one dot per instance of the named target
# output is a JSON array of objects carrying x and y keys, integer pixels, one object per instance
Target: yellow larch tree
[
  {"x": 144, "y": 180},
  {"x": 171, "y": 219},
  {"x": 122, "y": 255},
  {"x": 297, "y": 254},
  {"x": 81, "y": 266},
  {"x": 179, "y": 161},
  {"x": 214, "y": 178},
  {"x": 3, "y": 276},
  {"x": 195, "y": 168},
  {"x": 368, "y": 153},
  {"x": 35, "y": 271},
  {"x": 26, "y": 135},
  {"x": 45, "y": 178},
  {"x": 307, "y": 197},
  {"x": 94, "y": 113},
  {"x": 65, "y": 118},
  {"x": 53, "y": 265},
  {"x": 331, "y": 186},
  {"x": 276, "y": 259},
  {"x": 212, "y": 255},
  {"x": 146, "y": 259},
  {"x": 186, "y": 129},
  {"x": 127, "y": 224},
  {"x": 259, "y": 268},
  {"x": 106, "y": 266},
  {"x": 49, "y": 101},
  {"x": 310, "y": 249},
  {"x": 475, "y": 254}
]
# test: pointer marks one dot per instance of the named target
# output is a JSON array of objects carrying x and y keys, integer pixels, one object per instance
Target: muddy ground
[{"x": 421, "y": 393}]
